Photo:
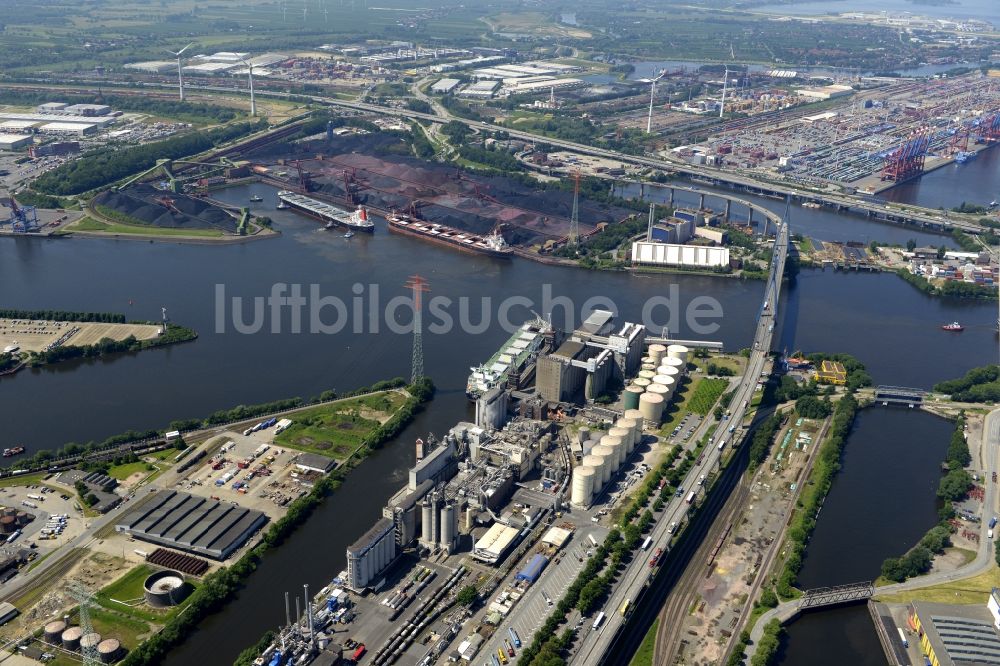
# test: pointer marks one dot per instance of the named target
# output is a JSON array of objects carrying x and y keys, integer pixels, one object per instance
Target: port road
[{"x": 990, "y": 456}]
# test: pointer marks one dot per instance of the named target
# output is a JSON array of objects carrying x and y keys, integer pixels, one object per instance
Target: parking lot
[{"x": 44, "y": 501}]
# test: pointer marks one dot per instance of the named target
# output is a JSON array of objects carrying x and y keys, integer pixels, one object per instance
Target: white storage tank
[
  {"x": 582, "y": 488},
  {"x": 668, "y": 383},
  {"x": 670, "y": 371},
  {"x": 647, "y": 374},
  {"x": 617, "y": 445},
  {"x": 641, "y": 382},
  {"x": 651, "y": 406},
  {"x": 678, "y": 351},
  {"x": 449, "y": 526},
  {"x": 630, "y": 438},
  {"x": 678, "y": 363},
  {"x": 661, "y": 390},
  {"x": 657, "y": 352},
  {"x": 633, "y": 423},
  {"x": 608, "y": 454},
  {"x": 625, "y": 434},
  {"x": 595, "y": 463}
]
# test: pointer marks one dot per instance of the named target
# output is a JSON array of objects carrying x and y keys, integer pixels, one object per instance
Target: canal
[{"x": 879, "y": 318}]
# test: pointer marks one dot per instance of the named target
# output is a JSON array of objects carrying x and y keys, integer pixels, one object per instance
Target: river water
[{"x": 879, "y": 318}]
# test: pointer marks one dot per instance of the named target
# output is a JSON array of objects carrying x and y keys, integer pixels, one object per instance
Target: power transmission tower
[
  {"x": 418, "y": 286},
  {"x": 83, "y": 597},
  {"x": 574, "y": 220}
]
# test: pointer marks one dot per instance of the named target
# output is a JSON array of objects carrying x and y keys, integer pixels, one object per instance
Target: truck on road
[{"x": 690, "y": 497}]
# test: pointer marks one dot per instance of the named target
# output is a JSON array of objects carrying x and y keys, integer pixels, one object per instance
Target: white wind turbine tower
[
  {"x": 180, "y": 74},
  {"x": 725, "y": 84},
  {"x": 652, "y": 92},
  {"x": 253, "y": 101}
]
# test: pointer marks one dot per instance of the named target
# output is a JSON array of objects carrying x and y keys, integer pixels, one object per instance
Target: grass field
[
  {"x": 122, "y": 472},
  {"x": 644, "y": 655},
  {"x": 706, "y": 393},
  {"x": 89, "y": 224},
  {"x": 129, "y": 589},
  {"x": 26, "y": 480},
  {"x": 974, "y": 590},
  {"x": 337, "y": 429}
]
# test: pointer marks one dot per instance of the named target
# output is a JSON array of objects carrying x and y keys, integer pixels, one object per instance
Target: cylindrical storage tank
[
  {"x": 22, "y": 518},
  {"x": 426, "y": 522},
  {"x": 664, "y": 379},
  {"x": 583, "y": 434},
  {"x": 648, "y": 366},
  {"x": 71, "y": 638},
  {"x": 650, "y": 359},
  {"x": 678, "y": 351},
  {"x": 641, "y": 382},
  {"x": 662, "y": 391},
  {"x": 165, "y": 588},
  {"x": 651, "y": 406},
  {"x": 632, "y": 393},
  {"x": 678, "y": 363},
  {"x": 647, "y": 374},
  {"x": 633, "y": 414},
  {"x": 633, "y": 423},
  {"x": 625, "y": 434},
  {"x": 595, "y": 463},
  {"x": 617, "y": 446},
  {"x": 90, "y": 641},
  {"x": 608, "y": 454},
  {"x": 8, "y": 524},
  {"x": 10, "y": 512},
  {"x": 582, "y": 488},
  {"x": 657, "y": 352},
  {"x": 109, "y": 651},
  {"x": 447, "y": 526},
  {"x": 670, "y": 371},
  {"x": 53, "y": 631},
  {"x": 668, "y": 383},
  {"x": 630, "y": 438}
]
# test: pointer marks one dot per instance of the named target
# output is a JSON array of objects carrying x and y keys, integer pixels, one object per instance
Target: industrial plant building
[
  {"x": 193, "y": 524},
  {"x": 370, "y": 555},
  {"x": 955, "y": 635},
  {"x": 670, "y": 254},
  {"x": 14, "y": 141}
]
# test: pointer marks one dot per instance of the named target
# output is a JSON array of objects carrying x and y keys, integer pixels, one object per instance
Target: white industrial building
[
  {"x": 445, "y": 86},
  {"x": 493, "y": 545},
  {"x": 80, "y": 129},
  {"x": 369, "y": 556},
  {"x": 540, "y": 84},
  {"x": 483, "y": 89},
  {"x": 153, "y": 66},
  {"x": 668, "y": 254},
  {"x": 14, "y": 141}
]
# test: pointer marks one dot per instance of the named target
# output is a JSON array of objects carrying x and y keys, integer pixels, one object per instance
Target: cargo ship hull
[
  {"x": 447, "y": 236},
  {"x": 323, "y": 212}
]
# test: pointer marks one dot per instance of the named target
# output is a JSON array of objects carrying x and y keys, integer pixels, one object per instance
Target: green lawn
[
  {"x": 337, "y": 429},
  {"x": 26, "y": 480},
  {"x": 129, "y": 588},
  {"x": 644, "y": 655},
  {"x": 706, "y": 393},
  {"x": 122, "y": 472}
]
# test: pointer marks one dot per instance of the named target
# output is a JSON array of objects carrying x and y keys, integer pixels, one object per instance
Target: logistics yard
[{"x": 36, "y": 335}]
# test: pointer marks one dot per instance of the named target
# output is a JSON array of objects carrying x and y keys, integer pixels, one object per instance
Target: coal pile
[{"x": 145, "y": 204}]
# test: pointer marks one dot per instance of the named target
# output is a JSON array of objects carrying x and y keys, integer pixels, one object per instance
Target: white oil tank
[
  {"x": 617, "y": 445},
  {"x": 633, "y": 423},
  {"x": 449, "y": 526},
  {"x": 670, "y": 371},
  {"x": 625, "y": 434},
  {"x": 678, "y": 351},
  {"x": 651, "y": 406},
  {"x": 647, "y": 374},
  {"x": 582, "y": 488},
  {"x": 595, "y": 463},
  {"x": 608, "y": 454},
  {"x": 657, "y": 352},
  {"x": 678, "y": 363}
]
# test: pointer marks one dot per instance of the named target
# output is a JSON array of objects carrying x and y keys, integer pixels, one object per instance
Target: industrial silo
[
  {"x": 449, "y": 526},
  {"x": 165, "y": 588},
  {"x": 22, "y": 518},
  {"x": 662, "y": 391},
  {"x": 71, "y": 638},
  {"x": 678, "y": 351},
  {"x": 582, "y": 488},
  {"x": 608, "y": 454},
  {"x": 647, "y": 360},
  {"x": 663, "y": 379},
  {"x": 90, "y": 641},
  {"x": 625, "y": 434},
  {"x": 595, "y": 463},
  {"x": 617, "y": 446},
  {"x": 670, "y": 371},
  {"x": 633, "y": 414},
  {"x": 632, "y": 394},
  {"x": 53, "y": 631},
  {"x": 678, "y": 363},
  {"x": 10, "y": 511},
  {"x": 647, "y": 374},
  {"x": 657, "y": 352},
  {"x": 426, "y": 522},
  {"x": 109, "y": 651},
  {"x": 666, "y": 388},
  {"x": 651, "y": 406},
  {"x": 633, "y": 423},
  {"x": 8, "y": 524},
  {"x": 641, "y": 382}
]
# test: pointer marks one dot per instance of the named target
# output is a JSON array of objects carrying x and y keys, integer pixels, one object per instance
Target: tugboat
[
  {"x": 256, "y": 198},
  {"x": 349, "y": 234},
  {"x": 17, "y": 450},
  {"x": 953, "y": 326},
  {"x": 282, "y": 205}
]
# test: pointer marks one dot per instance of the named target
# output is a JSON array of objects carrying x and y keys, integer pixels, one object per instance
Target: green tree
[{"x": 467, "y": 595}]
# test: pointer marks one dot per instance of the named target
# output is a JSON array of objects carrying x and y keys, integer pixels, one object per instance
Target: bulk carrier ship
[
  {"x": 492, "y": 245},
  {"x": 513, "y": 356},
  {"x": 333, "y": 216}
]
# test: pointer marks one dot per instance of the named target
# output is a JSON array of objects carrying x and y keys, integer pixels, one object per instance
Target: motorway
[
  {"x": 983, "y": 562},
  {"x": 596, "y": 643}
]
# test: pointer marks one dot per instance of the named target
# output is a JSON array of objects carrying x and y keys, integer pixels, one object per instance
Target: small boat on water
[
  {"x": 282, "y": 206},
  {"x": 256, "y": 198},
  {"x": 349, "y": 234},
  {"x": 17, "y": 450},
  {"x": 953, "y": 326}
]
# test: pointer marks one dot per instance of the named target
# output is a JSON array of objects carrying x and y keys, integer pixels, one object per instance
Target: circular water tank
[
  {"x": 90, "y": 641},
  {"x": 651, "y": 406},
  {"x": 608, "y": 454},
  {"x": 54, "y": 631},
  {"x": 8, "y": 524},
  {"x": 109, "y": 650},
  {"x": 617, "y": 446},
  {"x": 596, "y": 463},
  {"x": 633, "y": 423},
  {"x": 663, "y": 379},
  {"x": 647, "y": 374},
  {"x": 582, "y": 488},
  {"x": 583, "y": 434},
  {"x": 641, "y": 382},
  {"x": 165, "y": 588},
  {"x": 678, "y": 351},
  {"x": 657, "y": 352},
  {"x": 632, "y": 394},
  {"x": 71, "y": 638},
  {"x": 678, "y": 363}
]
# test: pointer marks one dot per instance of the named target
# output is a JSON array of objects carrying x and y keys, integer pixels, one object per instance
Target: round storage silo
[
  {"x": 633, "y": 423},
  {"x": 650, "y": 360},
  {"x": 109, "y": 651},
  {"x": 8, "y": 524},
  {"x": 651, "y": 406},
  {"x": 678, "y": 363},
  {"x": 90, "y": 641},
  {"x": 71, "y": 638},
  {"x": 630, "y": 438},
  {"x": 53, "y": 631},
  {"x": 165, "y": 588},
  {"x": 595, "y": 463},
  {"x": 678, "y": 351},
  {"x": 657, "y": 352},
  {"x": 663, "y": 379},
  {"x": 647, "y": 374},
  {"x": 670, "y": 371},
  {"x": 9, "y": 511},
  {"x": 670, "y": 384},
  {"x": 608, "y": 455},
  {"x": 617, "y": 446},
  {"x": 582, "y": 488},
  {"x": 633, "y": 414},
  {"x": 648, "y": 366},
  {"x": 625, "y": 434},
  {"x": 22, "y": 518},
  {"x": 632, "y": 394},
  {"x": 641, "y": 382},
  {"x": 660, "y": 390},
  {"x": 449, "y": 520}
]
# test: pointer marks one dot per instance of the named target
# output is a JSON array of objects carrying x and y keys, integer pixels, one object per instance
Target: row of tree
[
  {"x": 978, "y": 385},
  {"x": 63, "y": 315}
]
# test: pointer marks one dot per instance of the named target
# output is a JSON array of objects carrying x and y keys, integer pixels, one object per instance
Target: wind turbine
[
  {"x": 652, "y": 91},
  {"x": 725, "y": 83},
  {"x": 180, "y": 74},
  {"x": 253, "y": 102}
]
